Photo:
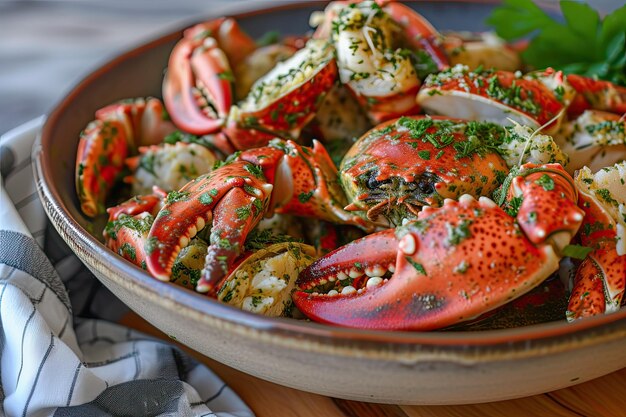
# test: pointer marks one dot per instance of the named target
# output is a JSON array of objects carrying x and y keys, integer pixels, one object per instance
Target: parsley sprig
[{"x": 583, "y": 44}]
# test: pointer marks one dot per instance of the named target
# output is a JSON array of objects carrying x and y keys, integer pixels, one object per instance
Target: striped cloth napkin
[{"x": 58, "y": 357}]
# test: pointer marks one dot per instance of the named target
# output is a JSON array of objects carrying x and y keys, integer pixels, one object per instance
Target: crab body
[{"x": 405, "y": 164}]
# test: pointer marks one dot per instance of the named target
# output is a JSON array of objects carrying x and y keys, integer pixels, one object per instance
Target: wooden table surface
[{"x": 601, "y": 397}]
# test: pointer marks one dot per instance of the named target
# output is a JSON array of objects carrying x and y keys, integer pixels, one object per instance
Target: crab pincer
[
  {"x": 233, "y": 198},
  {"x": 600, "y": 279},
  {"x": 198, "y": 85},
  {"x": 117, "y": 132},
  {"x": 283, "y": 178},
  {"x": 452, "y": 264}
]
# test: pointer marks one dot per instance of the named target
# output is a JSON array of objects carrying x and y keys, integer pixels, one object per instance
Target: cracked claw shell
[
  {"x": 285, "y": 99},
  {"x": 264, "y": 281},
  {"x": 497, "y": 96}
]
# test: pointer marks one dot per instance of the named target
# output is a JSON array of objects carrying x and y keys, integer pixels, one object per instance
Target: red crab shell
[
  {"x": 453, "y": 264},
  {"x": 392, "y": 151},
  {"x": 291, "y": 110},
  {"x": 491, "y": 95}
]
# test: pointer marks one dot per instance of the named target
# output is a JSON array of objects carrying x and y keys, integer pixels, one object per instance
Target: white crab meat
[
  {"x": 340, "y": 117},
  {"x": 607, "y": 187},
  {"x": 535, "y": 148},
  {"x": 595, "y": 139},
  {"x": 287, "y": 75},
  {"x": 171, "y": 166},
  {"x": 487, "y": 51},
  {"x": 367, "y": 56},
  {"x": 263, "y": 283},
  {"x": 257, "y": 64}
]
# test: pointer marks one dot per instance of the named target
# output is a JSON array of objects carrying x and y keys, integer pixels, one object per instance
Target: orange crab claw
[
  {"x": 447, "y": 271},
  {"x": 104, "y": 145},
  {"x": 547, "y": 201},
  {"x": 453, "y": 264},
  {"x": 600, "y": 279},
  {"x": 198, "y": 85},
  {"x": 233, "y": 197},
  {"x": 129, "y": 223},
  {"x": 197, "y": 97},
  {"x": 599, "y": 283}
]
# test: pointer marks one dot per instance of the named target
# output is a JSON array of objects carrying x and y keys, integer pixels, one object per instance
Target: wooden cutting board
[{"x": 601, "y": 397}]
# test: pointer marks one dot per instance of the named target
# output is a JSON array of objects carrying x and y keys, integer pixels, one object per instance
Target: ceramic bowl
[{"x": 386, "y": 367}]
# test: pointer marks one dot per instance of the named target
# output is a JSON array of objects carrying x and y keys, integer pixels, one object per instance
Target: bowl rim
[{"x": 538, "y": 335}]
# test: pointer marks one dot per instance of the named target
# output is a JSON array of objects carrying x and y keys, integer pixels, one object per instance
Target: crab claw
[
  {"x": 284, "y": 100},
  {"x": 598, "y": 284},
  {"x": 498, "y": 96},
  {"x": 197, "y": 88},
  {"x": 129, "y": 223},
  {"x": 600, "y": 279},
  {"x": 419, "y": 32},
  {"x": 595, "y": 94},
  {"x": 117, "y": 132},
  {"x": 544, "y": 200},
  {"x": 233, "y": 197},
  {"x": 453, "y": 264}
]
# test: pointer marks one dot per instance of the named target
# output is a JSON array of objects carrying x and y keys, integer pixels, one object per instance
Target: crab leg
[
  {"x": 228, "y": 235},
  {"x": 129, "y": 223}
]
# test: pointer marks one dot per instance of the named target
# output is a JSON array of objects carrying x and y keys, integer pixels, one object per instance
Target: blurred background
[{"x": 48, "y": 46}]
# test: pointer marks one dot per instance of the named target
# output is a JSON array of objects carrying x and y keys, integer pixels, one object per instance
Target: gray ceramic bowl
[{"x": 409, "y": 368}]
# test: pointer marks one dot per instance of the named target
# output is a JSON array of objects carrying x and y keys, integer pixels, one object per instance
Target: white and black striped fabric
[{"x": 58, "y": 357}]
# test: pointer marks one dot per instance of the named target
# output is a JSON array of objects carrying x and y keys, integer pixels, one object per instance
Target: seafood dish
[{"x": 373, "y": 173}]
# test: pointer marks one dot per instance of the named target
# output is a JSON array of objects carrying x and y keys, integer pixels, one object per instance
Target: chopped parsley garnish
[
  {"x": 176, "y": 196},
  {"x": 576, "y": 251},
  {"x": 418, "y": 267},
  {"x": 546, "y": 182},
  {"x": 458, "y": 233},
  {"x": 304, "y": 197}
]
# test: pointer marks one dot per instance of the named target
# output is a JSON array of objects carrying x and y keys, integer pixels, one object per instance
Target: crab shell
[
  {"x": 263, "y": 282},
  {"x": 198, "y": 85},
  {"x": 117, "y": 132},
  {"x": 595, "y": 94},
  {"x": 284, "y": 100},
  {"x": 409, "y": 155},
  {"x": 453, "y": 264},
  {"x": 492, "y": 95}
]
